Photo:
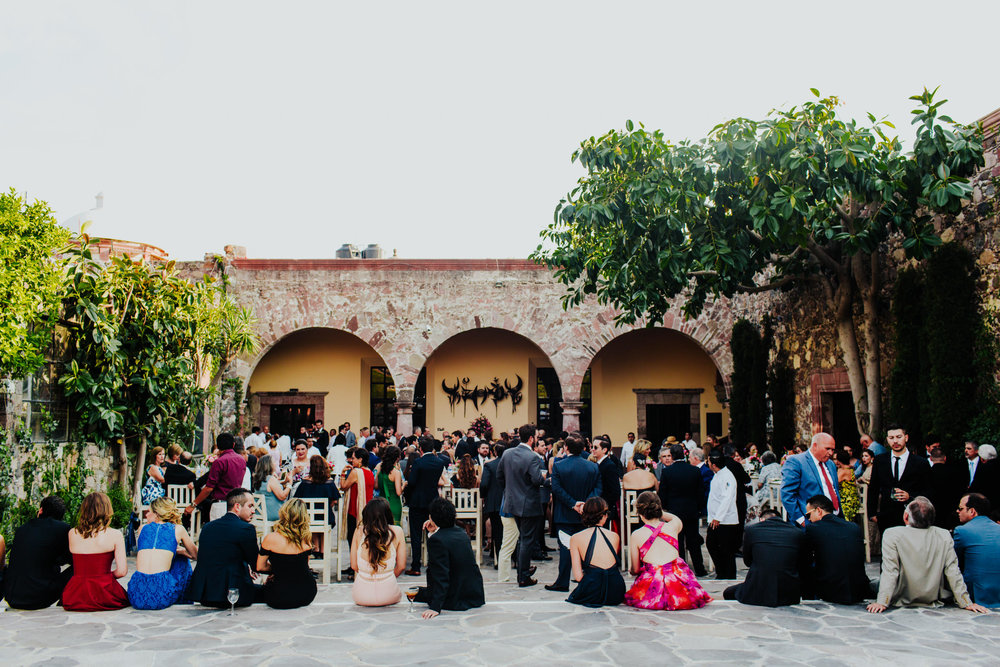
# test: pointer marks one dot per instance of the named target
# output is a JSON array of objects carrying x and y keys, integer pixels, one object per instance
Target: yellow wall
[
  {"x": 481, "y": 355},
  {"x": 316, "y": 360},
  {"x": 648, "y": 359}
]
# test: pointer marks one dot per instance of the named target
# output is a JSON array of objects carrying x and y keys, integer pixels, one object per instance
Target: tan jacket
[{"x": 919, "y": 567}]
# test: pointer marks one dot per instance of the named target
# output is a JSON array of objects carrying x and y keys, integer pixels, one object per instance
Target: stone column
[
  {"x": 404, "y": 417},
  {"x": 571, "y": 415}
]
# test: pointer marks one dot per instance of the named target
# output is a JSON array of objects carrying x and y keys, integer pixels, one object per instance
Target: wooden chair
[
  {"x": 468, "y": 505},
  {"x": 774, "y": 497},
  {"x": 183, "y": 496},
  {"x": 259, "y": 519},
  {"x": 319, "y": 523},
  {"x": 627, "y": 515}
]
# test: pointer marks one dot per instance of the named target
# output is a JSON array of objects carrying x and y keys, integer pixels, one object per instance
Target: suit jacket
[
  {"x": 175, "y": 473},
  {"x": 946, "y": 486},
  {"x": 835, "y": 572},
  {"x": 914, "y": 479},
  {"x": 977, "y": 543},
  {"x": 611, "y": 483},
  {"x": 453, "y": 579},
  {"x": 423, "y": 481},
  {"x": 800, "y": 481},
  {"x": 742, "y": 478},
  {"x": 227, "y": 550},
  {"x": 465, "y": 446},
  {"x": 681, "y": 491},
  {"x": 33, "y": 579},
  {"x": 977, "y": 484},
  {"x": 773, "y": 550},
  {"x": 490, "y": 487},
  {"x": 706, "y": 485},
  {"x": 520, "y": 472},
  {"x": 919, "y": 566},
  {"x": 574, "y": 478}
]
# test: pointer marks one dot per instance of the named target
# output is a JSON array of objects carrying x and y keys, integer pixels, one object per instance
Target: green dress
[
  {"x": 388, "y": 489},
  {"x": 850, "y": 499}
]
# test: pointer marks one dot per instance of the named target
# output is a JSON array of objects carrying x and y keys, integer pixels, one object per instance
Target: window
[
  {"x": 47, "y": 413},
  {"x": 383, "y": 397},
  {"x": 549, "y": 394}
]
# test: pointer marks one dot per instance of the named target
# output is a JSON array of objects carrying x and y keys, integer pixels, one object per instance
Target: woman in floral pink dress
[{"x": 663, "y": 580}]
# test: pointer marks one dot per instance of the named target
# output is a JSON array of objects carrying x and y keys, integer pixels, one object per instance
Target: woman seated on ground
[
  {"x": 664, "y": 580},
  {"x": 274, "y": 488},
  {"x": 640, "y": 456},
  {"x": 155, "y": 487},
  {"x": 378, "y": 556},
  {"x": 319, "y": 485},
  {"x": 595, "y": 561},
  {"x": 389, "y": 479},
  {"x": 162, "y": 572},
  {"x": 94, "y": 545},
  {"x": 284, "y": 554}
]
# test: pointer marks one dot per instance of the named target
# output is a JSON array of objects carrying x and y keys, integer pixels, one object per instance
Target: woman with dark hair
[
  {"x": 319, "y": 485},
  {"x": 390, "y": 482},
  {"x": 378, "y": 556},
  {"x": 595, "y": 562},
  {"x": 154, "y": 487},
  {"x": 467, "y": 477},
  {"x": 274, "y": 490},
  {"x": 664, "y": 580},
  {"x": 94, "y": 545}
]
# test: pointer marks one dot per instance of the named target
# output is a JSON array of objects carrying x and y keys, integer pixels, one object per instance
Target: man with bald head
[{"x": 811, "y": 473}]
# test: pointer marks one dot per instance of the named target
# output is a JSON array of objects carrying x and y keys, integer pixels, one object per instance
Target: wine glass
[
  {"x": 232, "y": 595},
  {"x": 411, "y": 593}
]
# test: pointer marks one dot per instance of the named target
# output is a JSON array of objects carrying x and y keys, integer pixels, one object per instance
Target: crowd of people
[{"x": 930, "y": 521}]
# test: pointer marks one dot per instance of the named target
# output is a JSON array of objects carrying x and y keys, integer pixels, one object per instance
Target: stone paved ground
[{"x": 516, "y": 627}]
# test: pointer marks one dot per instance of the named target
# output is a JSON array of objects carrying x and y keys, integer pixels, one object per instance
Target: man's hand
[
  {"x": 714, "y": 524},
  {"x": 430, "y": 613},
  {"x": 578, "y": 507},
  {"x": 189, "y": 509},
  {"x": 978, "y": 608},
  {"x": 876, "y": 608}
]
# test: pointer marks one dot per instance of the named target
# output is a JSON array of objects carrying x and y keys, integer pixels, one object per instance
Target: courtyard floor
[{"x": 516, "y": 627}]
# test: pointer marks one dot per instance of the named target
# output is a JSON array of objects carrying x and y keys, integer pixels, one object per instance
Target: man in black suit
[
  {"x": 973, "y": 472},
  {"x": 177, "y": 472},
  {"x": 897, "y": 477},
  {"x": 466, "y": 445},
  {"x": 681, "y": 494},
  {"x": 574, "y": 480},
  {"x": 521, "y": 474},
  {"x": 946, "y": 486},
  {"x": 454, "y": 581},
  {"x": 742, "y": 483},
  {"x": 835, "y": 556},
  {"x": 422, "y": 490},
  {"x": 773, "y": 550},
  {"x": 611, "y": 481},
  {"x": 33, "y": 579},
  {"x": 322, "y": 438},
  {"x": 227, "y": 553},
  {"x": 491, "y": 491}
]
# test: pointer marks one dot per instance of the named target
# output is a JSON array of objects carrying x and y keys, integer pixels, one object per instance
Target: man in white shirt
[
  {"x": 723, "y": 520},
  {"x": 254, "y": 439},
  {"x": 690, "y": 444},
  {"x": 627, "y": 448},
  {"x": 285, "y": 445}
]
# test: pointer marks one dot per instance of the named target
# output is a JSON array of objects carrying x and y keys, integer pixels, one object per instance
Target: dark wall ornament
[{"x": 461, "y": 392}]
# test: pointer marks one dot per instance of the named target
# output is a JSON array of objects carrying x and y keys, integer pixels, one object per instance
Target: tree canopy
[{"x": 799, "y": 196}]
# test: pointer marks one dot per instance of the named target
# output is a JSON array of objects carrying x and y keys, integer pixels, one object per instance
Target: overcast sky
[{"x": 438, "y": 129}]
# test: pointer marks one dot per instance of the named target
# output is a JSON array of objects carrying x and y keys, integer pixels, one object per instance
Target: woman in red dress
[
  {"x": 95, "y": 546},
  {"x": 358, "y": 484}
]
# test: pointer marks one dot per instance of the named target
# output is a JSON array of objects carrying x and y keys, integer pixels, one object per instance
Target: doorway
[
  {"x": 838, "y": 417},
  {"x": 286, "y": 419},
  {"x": 663, "y": 420}
]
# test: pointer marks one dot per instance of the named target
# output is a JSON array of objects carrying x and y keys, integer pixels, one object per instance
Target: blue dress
[
  {"x": 160, "y": 590},
  {"x": 599, "y": 587}
]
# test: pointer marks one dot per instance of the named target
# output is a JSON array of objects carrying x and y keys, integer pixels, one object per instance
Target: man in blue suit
[
  {"x": 809, "y": 474},
  {"x": 574, "y": 480},
  {"x": 977, "y": 543}
]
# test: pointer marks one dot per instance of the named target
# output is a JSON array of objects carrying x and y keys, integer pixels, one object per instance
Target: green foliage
[
  {"x": 985, "y": 424},
  {"x": 122, "y": 504},
  {"x": 781, "y": 391},
  {"x": 907, "y": 382},
  {"x": 748, "y": 403},
  {"x": 29, "y": 282}
]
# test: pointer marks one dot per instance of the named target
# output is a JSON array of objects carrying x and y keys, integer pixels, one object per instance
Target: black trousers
[
  {"x": 690, "y": 539},
  {"x": 496, "y": 535},
  {"x": 528, "y": 528},
  {"x": 417, "y": 518},
  {"x": 565, "y": 560},
  {"x": 722, "y": 543}
]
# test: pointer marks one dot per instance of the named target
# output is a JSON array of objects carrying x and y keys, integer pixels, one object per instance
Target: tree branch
[
  {"x": 823, "y": 256},
  {"x": 781, "y": 282}
]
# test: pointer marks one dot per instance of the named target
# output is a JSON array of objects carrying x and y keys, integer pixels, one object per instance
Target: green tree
[
  {"x": 748, "y": 403},
  {"x": 907, "y": 381},
  {"x": 781, "y": 391},
  {"x": 800, "y": 196},
  {"x": 29, "y": 282},
  {"x": 143, "y": 340}
]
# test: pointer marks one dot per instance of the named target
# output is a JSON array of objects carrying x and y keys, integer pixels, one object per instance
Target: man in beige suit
[{"x": 919, "y": 565}]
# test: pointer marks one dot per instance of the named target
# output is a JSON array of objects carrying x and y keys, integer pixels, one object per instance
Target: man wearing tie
[
  {"x": 974, "y": 475},
  {"x": 897, "y": 477},
  {"x": 809, "y": 474}
]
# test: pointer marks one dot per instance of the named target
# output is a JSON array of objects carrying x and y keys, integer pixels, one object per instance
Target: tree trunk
[
  {"x": 873, "y": 353},
  {"x": 140, "y": 468},
  {"x": 121, "y": 462},
  {"x": 848, "y": 340}
]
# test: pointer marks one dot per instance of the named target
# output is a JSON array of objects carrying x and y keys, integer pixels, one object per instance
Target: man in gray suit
[{"x": 521, "y": 474}]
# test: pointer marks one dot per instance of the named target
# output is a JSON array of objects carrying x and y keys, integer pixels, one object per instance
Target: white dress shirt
[
  {"x": 902, "y": 463},
  {"x": 691, "y": 445},
  {"x": 722, "y": 498},
  {"x": 823, "y": 475},
  {"x": 627, "y": 449},
  {"x": 973, "y": 464}
]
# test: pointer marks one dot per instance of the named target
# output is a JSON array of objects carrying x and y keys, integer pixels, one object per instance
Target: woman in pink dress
[
  {"x": 663, "y": 580},
  {"x": 378, "y": 556},
  {"x": 95, "y": 546}
]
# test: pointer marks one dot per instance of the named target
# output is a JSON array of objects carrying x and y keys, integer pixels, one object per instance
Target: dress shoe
[
  {"x": 412, "y": 573},
  {"x": 527, "y": 582},
  {"x": 558, "y": 589},
  {"x": 531, "y": 570}
]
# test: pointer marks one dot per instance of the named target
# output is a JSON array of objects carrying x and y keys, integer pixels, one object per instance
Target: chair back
[
  {"x": 774, "y": 497},
  {"x": 628, "y": 515},
  {"x": 259, "y": 519},
  {"x": 468, "y": 504},
  {"x": 318, "y": 510},
  {"x": 180, "y": 494}
]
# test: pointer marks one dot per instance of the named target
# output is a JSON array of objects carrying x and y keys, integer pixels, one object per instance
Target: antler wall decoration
[{"x": 494, "y": 391}]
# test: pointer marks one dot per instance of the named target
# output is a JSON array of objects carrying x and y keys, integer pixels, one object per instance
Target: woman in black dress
[
  {"x": 594, "y": 552},
  {"x": 284, "y": 553}
]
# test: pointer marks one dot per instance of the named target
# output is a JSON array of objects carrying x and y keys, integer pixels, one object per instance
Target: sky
[{"x": 435, "y": 129}]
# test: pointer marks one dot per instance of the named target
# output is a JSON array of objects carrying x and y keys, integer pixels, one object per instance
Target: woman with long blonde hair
[
  {"x": 162, "y": 570},
  {"x": 284, "y": 553},
  {"x": 378, "y": 556},
  {"x": 95, "y": 545}
]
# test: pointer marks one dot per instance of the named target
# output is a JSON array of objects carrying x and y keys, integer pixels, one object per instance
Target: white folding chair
[
  {"x": 774, "y": 497},
  {"x": 468, "y": 505},
  {"x": 318, "y": 510},
  {"x": 404, "y": 523},
  {"x": 628, "y": 514},
  {"x": 259, "y": 519},
  {"x": 182, "y": 497}
]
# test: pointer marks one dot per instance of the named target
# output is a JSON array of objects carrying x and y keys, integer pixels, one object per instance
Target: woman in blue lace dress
[{"x": 162, "y": 572}]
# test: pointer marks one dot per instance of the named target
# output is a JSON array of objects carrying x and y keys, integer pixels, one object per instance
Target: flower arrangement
[{"x": 482, "y": 426}]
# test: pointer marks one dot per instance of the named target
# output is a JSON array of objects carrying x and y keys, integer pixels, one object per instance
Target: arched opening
[
  {"x": 491, "y": 372},
  {"x": 654, "y": 383},
  {"x": 321, "y": 373}
]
